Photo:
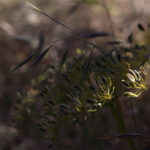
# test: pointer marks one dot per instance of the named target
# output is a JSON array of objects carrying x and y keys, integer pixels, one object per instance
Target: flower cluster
[
  {"x": 136, "y": 81},
  {"x": 105, "y": 90}
]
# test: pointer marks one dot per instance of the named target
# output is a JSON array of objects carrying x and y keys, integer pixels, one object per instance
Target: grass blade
[
  {"x": 98, "y": 34},
  {"x": 39, "y": 58},
  {"x": 114, "y": 42},
  {"x": 130, "y": 38},
  {"x": 64, "y": 57},
  {"x": 66, "y": 27},
  {"x": 140, "y": 27},
  {"x": 41, "y": 42}
]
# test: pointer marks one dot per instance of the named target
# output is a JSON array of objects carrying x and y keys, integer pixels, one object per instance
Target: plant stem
[
  {"x": 133, "y": 115},
  {"x": 109, "y": 18},
  {"x": 94, "y": 141},
  {"x": 118, "y": 116}
]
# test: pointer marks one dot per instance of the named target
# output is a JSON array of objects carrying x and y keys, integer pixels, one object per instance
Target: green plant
[{"x": 72, "y": 91}]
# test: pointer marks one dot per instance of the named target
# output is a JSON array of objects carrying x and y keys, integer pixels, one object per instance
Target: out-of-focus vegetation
[{"x": 75, "y": 75}]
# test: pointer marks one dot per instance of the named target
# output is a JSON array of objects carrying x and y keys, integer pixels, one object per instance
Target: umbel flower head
[
  {"x": 136, "y": 82},
  {"x": 105, "y": 89}
]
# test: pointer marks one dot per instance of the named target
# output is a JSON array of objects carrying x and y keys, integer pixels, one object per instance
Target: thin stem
[
  {"x": 133, "y": 114},
  {"x": 109, "y": 18},
  {"x": 139, "y": 122},
  {"x": 66, "y": 27},
  {"x": 118, "y": 116},
  {"x": 94, "y": 141}
]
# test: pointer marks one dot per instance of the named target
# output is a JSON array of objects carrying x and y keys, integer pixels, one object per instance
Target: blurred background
[{"x": 21, "y": 28}]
